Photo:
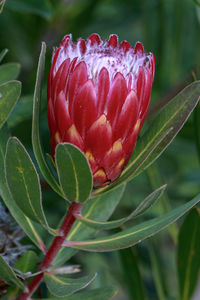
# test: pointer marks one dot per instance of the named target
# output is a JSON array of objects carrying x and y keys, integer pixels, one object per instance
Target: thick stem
[{"x": 53, "y": 250}]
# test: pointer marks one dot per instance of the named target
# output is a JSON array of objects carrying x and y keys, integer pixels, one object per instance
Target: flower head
[{"x": 98, "y": 98}]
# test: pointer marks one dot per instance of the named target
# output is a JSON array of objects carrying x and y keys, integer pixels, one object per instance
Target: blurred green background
[{"x": 171, "y": 30}]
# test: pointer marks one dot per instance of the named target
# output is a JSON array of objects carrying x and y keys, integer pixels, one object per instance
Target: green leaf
[
  {"x": 4, "y": 51},
  {"x": 188, "y": 254},
  {"x": 22, "y": 111},
  {"x": 61, "y": 286},
  {"x": 23, "y": 181},
  {"x": 132, "y": 275},
  {"x": 74, "y": 173},
  {"x": 9, "y": 94},
  {"x": 27, "y": 262},
  {"x": 42, "y": 8},
  {"x": 37, "y": 147},
  {"x": 9, "y": 71},
  {"x": 134, "y": 234},
  {"x": 160, "y": 134},
  {"x": 104, "y": 293},
  {"x": 156, "y": 270},
  {"x": 142, "y": 207},
  {"x": 29, "y": 227},
  {"x": 8, "y": 275},
  {"x": 98, "y": 208},
  {"x": 156, "y": 179}
]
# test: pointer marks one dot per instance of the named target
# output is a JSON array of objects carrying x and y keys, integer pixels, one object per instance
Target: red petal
[
  {"x": 72, "y": 136},
  {"x": 103, "y": 89},
  {"x": 129, "y": 145},
  {"x": 116, "y": 98},
  {"x": 130, "y": 80},
  {"x": 140, "y": 84},
  {"x": 99, "y": 138},
  {"x": 63, "y": 80},
  {"x": 51, "y": 117},
  {"x": 62, "y": 114},
  {"x": 115, "y": 172},
  {"x": 100, "y": 179},
  {"x": 146, "y": 94},
  {"x": 65, "y": 41},
  {"x": 71, "y": 69},
  {"x": 127, "y": 118},
  {"x": 56, "y": 82},
  {"x": 54, "y": 59},
  {"x": 139, "y": 48},
  {"x": 93, "y": 164},
  {"x": 94, "y": 39},
  {"x": 82, "y": 46},
  {"x": 113, "y": 156},
  {"x": 153, "y": 65},
  {"x": 125, "y": 46},
  {"x": 84, "y": 109},
  {"x": 113, "y": 40},
  {"x": 78, "y": 78}
]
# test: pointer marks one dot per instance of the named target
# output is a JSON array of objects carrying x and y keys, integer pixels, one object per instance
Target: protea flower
[{"x": 98, "y": 98}]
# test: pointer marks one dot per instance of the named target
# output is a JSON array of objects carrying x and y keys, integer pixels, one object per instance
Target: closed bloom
[{"x": 98, "y": 98}]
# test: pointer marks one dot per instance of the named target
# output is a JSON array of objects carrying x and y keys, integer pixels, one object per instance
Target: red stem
[{"x": 53, "y": 250}]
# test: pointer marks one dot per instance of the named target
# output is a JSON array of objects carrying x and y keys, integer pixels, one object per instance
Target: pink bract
[{"x": 98, "y": 98}]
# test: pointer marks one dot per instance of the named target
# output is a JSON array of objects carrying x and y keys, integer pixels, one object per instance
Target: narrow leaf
[
  {"x": 62, "y": 286},
  {"x": 142, "y": 207},
  {"x": 4, "y": 51},
  {"x": 156, "y": 179},
  {"x": 8, "y": 275},
  {"x": 9, "y": 94},
  {"x": 37, "y": 147},
  {"x": 134, "y": 234},
  {"x": 98, "y": 208},
  {"x": 23, "y": 181},
  {"x": 156, "y": 269},
  {"x": 104, "y": 293},
  {"x": 132, "y": 275},
  {"x": 29, "y": 227},
  {"x": 2, "y": 3},
  {"x": 160, "y": 134},
  {"x": 188, "y": 254},
  {"x": 9, "y": 71},
  {"x": 74, "y": 172}
]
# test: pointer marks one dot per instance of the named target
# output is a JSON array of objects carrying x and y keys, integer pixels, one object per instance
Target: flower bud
[{"x": 98, "y": 98}]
